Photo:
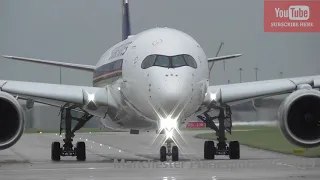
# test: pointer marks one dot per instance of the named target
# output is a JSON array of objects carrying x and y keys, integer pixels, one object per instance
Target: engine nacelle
[
  {"x": 11, "y": 120},
  {"x": 299, "y": 116}
]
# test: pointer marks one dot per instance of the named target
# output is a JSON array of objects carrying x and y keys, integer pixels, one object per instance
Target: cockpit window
[
  {"x": 148, "y": 61},
  {"x": 178, "y": 61},
  {"x": 190, "y": 61},
  {"x": 169, "y": 61},
  {"x": 163, "y": 61}
]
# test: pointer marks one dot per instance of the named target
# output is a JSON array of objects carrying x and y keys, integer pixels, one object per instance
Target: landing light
[
  {"x": 90, "y": 97},
  {"x": 169, "y": 133},
  {"x": 168, "y": 123},
  {"x": 213, "y": 96}
]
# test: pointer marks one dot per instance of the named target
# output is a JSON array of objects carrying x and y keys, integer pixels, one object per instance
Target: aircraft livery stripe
[
  {"x": 108, "y": 75},
  {"x": 107, "y": 71}
]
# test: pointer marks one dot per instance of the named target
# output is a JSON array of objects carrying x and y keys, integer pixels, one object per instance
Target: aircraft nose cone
[{"x": 170, "y": 95}]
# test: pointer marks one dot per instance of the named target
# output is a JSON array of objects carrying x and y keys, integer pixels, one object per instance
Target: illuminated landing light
[
  {"x": 90, "y": 97},
  {"x": 90, "y": 101},
  {"x": 168, "y": 123},
  {"x": 213, "y": 97},
  {"x": 169, "y": 134}
]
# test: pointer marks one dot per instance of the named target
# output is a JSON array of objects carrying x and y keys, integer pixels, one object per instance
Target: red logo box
[
  {"x": 292, "y": 16},
  {"x": 196, "y": 125}
]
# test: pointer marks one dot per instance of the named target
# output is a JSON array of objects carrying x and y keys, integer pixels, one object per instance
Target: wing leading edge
[
  {"x": 241, "y": 92},
  {"x": 220, "y": 58},
  {"x": 53, "y": 63},
  {"x": 47, "y": 93}
]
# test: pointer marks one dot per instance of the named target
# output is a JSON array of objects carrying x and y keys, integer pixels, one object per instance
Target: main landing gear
[
  {"x": 67, "y": 149},
  {"x": 174, "y": 152},
  {"x": 225, "y": 124}
]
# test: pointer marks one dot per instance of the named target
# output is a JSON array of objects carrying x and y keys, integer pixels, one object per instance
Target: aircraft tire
[
  {"x": 163, "y": 153},
  {"x": 55, "y": 151},
  {"x": 175, "y": 153},
  {"x": 234, "y": 150},
  {"x": 81, "y": 151},
  {"x": 209, "y": 150}
]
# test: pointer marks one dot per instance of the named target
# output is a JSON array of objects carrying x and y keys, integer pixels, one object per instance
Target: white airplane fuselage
[{"x": 145, "y": 96}]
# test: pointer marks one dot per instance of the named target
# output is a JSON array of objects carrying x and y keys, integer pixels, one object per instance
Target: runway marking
[
  {"x": 289, "y": 165},
  {"x": 52, "y": 169},
  {"x": 119, "y": 150}
]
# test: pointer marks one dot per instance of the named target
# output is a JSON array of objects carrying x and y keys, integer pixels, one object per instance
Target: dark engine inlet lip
[
  {"x": 284, "y": 121},
  {"x": 13, "y": 101}
]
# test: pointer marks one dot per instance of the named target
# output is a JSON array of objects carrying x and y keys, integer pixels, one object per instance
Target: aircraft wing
[
  {"x": 241, "y": 92},
  {"x": 220, "y": 58},
  {"x": 52, "y": 63},
  {"x": 55, "y": 94}
]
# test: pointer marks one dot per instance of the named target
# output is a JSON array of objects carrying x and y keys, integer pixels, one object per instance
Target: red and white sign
[
  {"x": 196, "y": 125},
  {"x": 292, "y": 16}
]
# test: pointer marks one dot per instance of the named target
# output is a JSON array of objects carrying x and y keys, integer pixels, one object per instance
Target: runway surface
[{"x": 30, "y": 159}]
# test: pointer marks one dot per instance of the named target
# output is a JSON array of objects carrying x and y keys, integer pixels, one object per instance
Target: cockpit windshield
[
  {"x": 163, "y": 61},
  {"x": 169, "y": 61}
]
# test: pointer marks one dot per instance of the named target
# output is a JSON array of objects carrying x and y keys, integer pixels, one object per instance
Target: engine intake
[
  {"x": 299, "y": 116},
  {"x": 11, "y": 120}
]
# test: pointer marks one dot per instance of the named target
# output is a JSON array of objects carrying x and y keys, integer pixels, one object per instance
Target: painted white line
[{"x": 53, "y": 169}]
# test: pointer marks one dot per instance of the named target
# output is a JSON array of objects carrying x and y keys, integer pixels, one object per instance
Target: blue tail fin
[{"x": 126, "y": 29}]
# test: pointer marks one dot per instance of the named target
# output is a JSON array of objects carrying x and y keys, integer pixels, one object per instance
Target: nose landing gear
[{"x": 173, "y": 152}]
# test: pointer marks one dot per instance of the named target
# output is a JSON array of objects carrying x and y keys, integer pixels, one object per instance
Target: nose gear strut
[{"x": 173, "y": 152}]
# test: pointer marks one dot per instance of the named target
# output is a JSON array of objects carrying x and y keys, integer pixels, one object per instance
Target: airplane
[{"x": 155, "y": 80}]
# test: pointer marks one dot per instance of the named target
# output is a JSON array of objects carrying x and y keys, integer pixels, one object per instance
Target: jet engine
[
  {"x": 299, "y": 116},
  {"x": 11, "y": 120}
]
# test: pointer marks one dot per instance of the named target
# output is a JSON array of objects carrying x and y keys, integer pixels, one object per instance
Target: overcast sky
[{"x": 80, "y": 31}]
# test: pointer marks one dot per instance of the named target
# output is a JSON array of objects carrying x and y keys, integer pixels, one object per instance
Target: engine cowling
[
  {"x": 299, "y": 116},
  {"x": 11, "y": 120}
]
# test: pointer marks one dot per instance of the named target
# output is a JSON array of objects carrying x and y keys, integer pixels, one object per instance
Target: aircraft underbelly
[{"x": 124, "y": 115}]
